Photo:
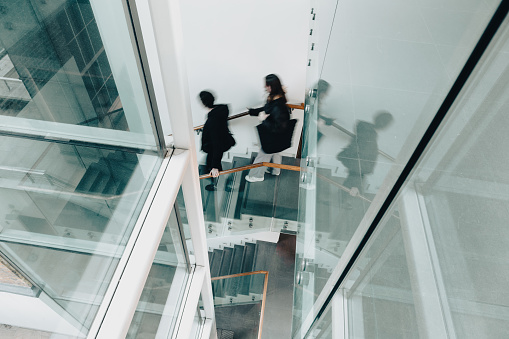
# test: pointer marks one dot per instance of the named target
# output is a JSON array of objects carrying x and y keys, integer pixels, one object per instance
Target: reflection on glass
[
  {"x": 60, "y": 63},
  {"x": 163, "y": 291},
  {"x": 78, "y": 154},
  {"x": 374, "y": 67},
  {"x": 67, "y": 212},
  {"x": 436, "y": 267}
]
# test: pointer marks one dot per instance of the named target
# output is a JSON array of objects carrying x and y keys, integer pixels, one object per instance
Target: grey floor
[{"x": 278, "y": 309}]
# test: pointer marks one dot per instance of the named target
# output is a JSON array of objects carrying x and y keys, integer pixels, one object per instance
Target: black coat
[
  {"x": 276, "y": 130},
  {"x": 216, "y": 137}
]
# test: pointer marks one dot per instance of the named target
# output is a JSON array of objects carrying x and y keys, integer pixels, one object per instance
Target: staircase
[
  {"x": 236, "y": 259},
  {"x": 105, "y": 178}
]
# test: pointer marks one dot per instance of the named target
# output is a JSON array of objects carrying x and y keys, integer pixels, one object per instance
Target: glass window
[
  {"x": 162, "y": 294},
  {"x": 70, "y": 62},
  {"x": 436, "y": 266},
  {"x": 383, "y": 72}
]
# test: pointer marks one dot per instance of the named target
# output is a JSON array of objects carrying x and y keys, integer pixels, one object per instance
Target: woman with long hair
[{"x": 276, "y": 129}]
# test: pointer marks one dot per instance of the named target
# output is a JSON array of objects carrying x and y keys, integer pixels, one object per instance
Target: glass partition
[
  {"x": 376, "y": 82},
  {"x": 161, "y": 298},
  {"x": 436, "y": 265},
  {"x": 79, "y": 153},
  {"x": 198, "y": 322},
  {"x": 69, "y": 62},
  {"x": 67, "y": 212}
]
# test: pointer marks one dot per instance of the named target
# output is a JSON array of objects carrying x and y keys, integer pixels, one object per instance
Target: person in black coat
[
  {"x": 276, "y": 129},
  {"x": 216, "y": 137}
]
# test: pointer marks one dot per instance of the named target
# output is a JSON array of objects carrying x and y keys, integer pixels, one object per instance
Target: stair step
[
  {"x": 211, "y": 254},
  {"x": 100, "y": 183},
  {"x": 215, "y": 266},
  {"x": 88, "y": 179},
  {"x": 232, "y": 285},
  {"x": 262, "y": 259},
  {"x": 226, "y": 259},
  {"x": 111, "y": 187},
  {"x": 247, "y": 266}
]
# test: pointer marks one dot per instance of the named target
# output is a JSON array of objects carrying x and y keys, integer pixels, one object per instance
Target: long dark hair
[{"x": 276, "y": 88}]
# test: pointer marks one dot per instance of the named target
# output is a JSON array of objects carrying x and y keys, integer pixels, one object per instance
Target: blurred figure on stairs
[
  {"x": 276, "y": 129},
  {"x": 216, "y": 137},
  {"x": 360, "y": 156}
]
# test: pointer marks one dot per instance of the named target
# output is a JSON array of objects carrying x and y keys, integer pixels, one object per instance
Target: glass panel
[
  {"x": 197, "y": 325},
  {"x": 463, "y": 184},
  {"x": 324, "y": 328},
  {"x": 67, "y": 212},
  {"x": 237, "y": 206},
  {"x": 162, "y": 295},
  {"x": 70, "y": 62},
  {"x": 438, "y": 267},
  {"x": 380, "y": 81}
]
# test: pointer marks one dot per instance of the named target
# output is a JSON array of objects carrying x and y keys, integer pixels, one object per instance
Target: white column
[
  {"x": 356, "y": 313},
  {"x": 339, "y": 316},
  {"x": 428, "y": 304},
  {"x": 167, "y": 36}
]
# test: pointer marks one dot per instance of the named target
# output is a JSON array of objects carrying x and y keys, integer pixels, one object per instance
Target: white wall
[{"x": 231, "y": 45}]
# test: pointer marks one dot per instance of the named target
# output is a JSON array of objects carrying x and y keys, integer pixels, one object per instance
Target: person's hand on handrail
[{"x": 214, "y": 173}]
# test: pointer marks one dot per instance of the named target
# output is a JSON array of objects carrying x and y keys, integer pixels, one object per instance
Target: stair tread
[
  {"x": 88, "y": 179},
  {"x": 263, "y": 256},
  {"x": 216, "y": 263}
]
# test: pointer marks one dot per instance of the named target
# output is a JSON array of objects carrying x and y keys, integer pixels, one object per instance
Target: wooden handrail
[
  {"x": 294, "y": 106},
  {"x": 264, "y": 297},
  {"x": 239, "y": 275},
  {"x": 248, "y": 167},
  {"x": 243, "y": 114}
]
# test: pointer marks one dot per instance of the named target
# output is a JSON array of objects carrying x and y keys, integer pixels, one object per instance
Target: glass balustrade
[
  {"x": 79, "y": 153},
  {"x": 234, "y": 206},
  {"x": 66, "y": 220},
  {"x": 68, "y": 70},
  {"x": 376, "y": 82},
  {"x": 436, "y": 265}
]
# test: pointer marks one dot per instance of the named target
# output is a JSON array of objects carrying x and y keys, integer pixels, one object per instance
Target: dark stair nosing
[
  {"x": 226, "y": 259},
  {"x": 232, "y": 285},
  {"x": 216, "y": 263}
]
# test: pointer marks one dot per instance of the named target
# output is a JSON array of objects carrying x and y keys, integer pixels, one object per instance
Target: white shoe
[
  {"x": 271, "y": 172},
  {"x": 253, "y": 179}
]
